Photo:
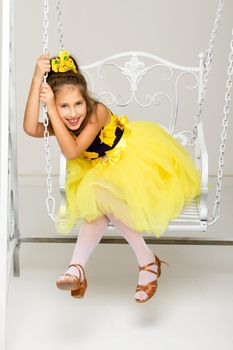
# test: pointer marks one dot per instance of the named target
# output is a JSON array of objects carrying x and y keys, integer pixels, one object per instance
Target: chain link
[
  {"x": 45, "y": 26},
  {"x": 216, "y": 210},
  {"x": 207, "y": 61},
  {"x": 49, "y": 200},
  {"x": 60, "y": 29}
]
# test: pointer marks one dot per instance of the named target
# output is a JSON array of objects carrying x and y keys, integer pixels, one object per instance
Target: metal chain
[
  {"x": 207, "y": 61},
  {"x": 50, "y": 199},
  {"x": 216, "y": 211},
  {"x": 45, "y": 26},
  {"x": 60, "y": 29}
]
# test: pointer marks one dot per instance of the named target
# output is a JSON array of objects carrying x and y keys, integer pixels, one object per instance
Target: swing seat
[{"x": 194, "y": 214}]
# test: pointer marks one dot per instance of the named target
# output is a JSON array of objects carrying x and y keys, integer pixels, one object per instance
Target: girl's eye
[{"x": 64, "y": 106}]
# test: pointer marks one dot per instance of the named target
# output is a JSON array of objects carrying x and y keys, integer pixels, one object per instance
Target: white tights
[{"x": 90, "y": 235}]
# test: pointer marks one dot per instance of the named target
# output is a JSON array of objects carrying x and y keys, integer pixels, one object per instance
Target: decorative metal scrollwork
[{"x": 134, "y": 70}]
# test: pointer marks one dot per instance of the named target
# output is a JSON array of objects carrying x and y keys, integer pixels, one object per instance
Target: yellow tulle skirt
[{"x": 144, "y": 183}]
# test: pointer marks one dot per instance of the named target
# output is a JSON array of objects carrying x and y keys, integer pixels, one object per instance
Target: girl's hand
[
  {"x": 47, "y": 95},
  {"x": 42, "y": 66}
]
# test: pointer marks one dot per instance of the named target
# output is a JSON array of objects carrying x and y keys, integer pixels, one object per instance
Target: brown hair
[{"x": 57, "y": 80}]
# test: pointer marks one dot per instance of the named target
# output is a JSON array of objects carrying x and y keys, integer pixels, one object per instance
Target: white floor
[{"x": 192, "y": 308}]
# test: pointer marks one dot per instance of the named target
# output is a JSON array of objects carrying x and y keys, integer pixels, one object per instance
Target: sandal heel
[{"x": 78, "y": 293}]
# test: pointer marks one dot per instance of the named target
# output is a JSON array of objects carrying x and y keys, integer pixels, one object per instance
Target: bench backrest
[{"x": 148, "y": 81}]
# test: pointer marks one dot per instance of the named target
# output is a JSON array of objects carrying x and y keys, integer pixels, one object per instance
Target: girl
[{"x": 134, "y": 174}]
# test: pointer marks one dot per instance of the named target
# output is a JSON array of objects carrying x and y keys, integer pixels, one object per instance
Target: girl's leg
[
  {"x": 143, "y": 253},
  {"x": 89, "y": 236}
]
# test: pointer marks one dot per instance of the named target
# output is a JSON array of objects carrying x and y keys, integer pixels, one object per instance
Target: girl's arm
[
  {"x": 30, "y": 124},
  {"x": 72, "y": 148}
]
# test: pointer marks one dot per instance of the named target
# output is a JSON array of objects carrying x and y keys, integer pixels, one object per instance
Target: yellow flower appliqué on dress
[{"x": 108, "y": 136}]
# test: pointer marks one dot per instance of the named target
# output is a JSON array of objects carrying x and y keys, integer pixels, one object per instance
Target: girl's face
[{"x": 71, "y": 106}]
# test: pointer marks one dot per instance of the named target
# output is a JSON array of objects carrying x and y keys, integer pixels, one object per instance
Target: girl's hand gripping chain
[
  {"x": 47, "y": 96},
  {"x": 42, "y": 66}
]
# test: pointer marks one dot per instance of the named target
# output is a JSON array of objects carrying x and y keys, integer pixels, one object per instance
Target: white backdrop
[{"x": 175, "y": 30}]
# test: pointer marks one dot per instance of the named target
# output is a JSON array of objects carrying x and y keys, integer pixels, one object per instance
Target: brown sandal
[
  {"x": 73, "y": 284},
  {"x": 149, "y": 288}
]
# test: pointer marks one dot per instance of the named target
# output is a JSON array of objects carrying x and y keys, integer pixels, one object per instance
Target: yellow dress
[{"x": 135, "y": 170}]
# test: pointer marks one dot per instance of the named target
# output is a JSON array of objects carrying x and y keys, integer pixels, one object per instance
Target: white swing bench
[{"x": 194, "y": 214}]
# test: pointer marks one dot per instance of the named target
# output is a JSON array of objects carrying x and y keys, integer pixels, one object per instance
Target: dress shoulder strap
[{"x": 109, "y": 110}]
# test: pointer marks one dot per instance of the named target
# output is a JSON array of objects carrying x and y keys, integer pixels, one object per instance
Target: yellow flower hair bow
[{"x": 63, "y": 63}]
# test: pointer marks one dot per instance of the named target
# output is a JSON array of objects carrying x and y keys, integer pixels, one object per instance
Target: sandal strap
[
  {"x": 70, "y": 274},
  {"x": 144, "y": 287},
  {"x": 155, "y": 262},
  {"x": 152, "y": 271},
  {"x": 145, "y": 266},
  {"x": 78, "y": 266}
]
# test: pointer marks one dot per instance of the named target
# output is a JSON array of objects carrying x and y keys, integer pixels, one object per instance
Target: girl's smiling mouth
[{"x": 73, "y": 121}]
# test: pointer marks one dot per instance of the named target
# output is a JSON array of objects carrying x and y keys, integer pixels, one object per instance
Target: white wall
[{"x": 175, "y": 30}]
